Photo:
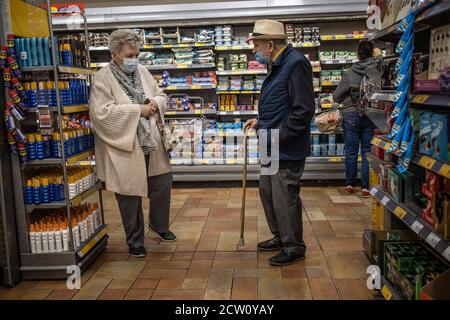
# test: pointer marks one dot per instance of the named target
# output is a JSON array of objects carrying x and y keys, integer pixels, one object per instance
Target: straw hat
[{"x": 267, "y": 30}]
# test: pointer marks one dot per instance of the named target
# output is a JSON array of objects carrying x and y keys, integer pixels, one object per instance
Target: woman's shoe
[
  {"x": 165, "y": 236},
  {"x": 138, "y": 252},
  {"x": 349, "y": 189},
  {"x": 365, "y": 193}
]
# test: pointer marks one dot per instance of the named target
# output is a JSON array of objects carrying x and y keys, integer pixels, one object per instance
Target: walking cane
[{"x": 244, "y": 189}]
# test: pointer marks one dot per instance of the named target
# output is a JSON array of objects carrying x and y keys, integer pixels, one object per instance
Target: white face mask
[{"x": 129, "y": 65}]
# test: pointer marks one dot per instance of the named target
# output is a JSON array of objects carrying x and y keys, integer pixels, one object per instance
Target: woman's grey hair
[{"x": 123, "y": 36}]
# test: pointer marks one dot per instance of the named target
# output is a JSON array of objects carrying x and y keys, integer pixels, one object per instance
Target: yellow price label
[
  {"x": 231, "y": 161},
  {"x": 445, "y": 171},
  {"x": 167, "y": 46},
  {"x": 221, "y": 48},
  {"x": 427, "y": 162},
  {"x": 171, "y": 87},
  {"x": 341, "y": 37},
  {"x": 335, "y": 159},
  {"x": 317, "y": 69},
  {"x": 420, "y": 98},
  {"x": 308, "y": 44},
  {"x": 183, "y": 45},
  {"x": 198, "y": 111},
  {"x": 204, "y": 161},
  {"x": 201, "y": 44},
  {"x": 376, "y": 141},
  {"x": 170, "y": 113},
  {"x": 399, "y": 212},
  {"x": 196, "y": 86},
  {"x": 386, "y": 293},
  {"x": 148, "y": 46},
  {"x": 326, "y": 38},
  {"x": 359, "y": 36},
  {"x": 182, "y": 66},
  {"x": 327, "y": 83}
]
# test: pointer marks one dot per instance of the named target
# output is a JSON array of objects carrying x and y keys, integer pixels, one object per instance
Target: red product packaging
[
  {"x": 378, "y": 152},
  {"x": 427, "y": 213}
]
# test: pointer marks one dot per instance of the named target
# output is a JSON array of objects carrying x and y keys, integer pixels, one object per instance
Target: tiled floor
[{"x": 206, "y": 263}]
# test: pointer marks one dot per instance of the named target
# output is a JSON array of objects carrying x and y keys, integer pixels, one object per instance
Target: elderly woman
[{"x": 125, "y": 104}]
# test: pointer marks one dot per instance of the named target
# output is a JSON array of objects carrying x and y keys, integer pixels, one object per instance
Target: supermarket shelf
[
  {"x": 375, "y": 162},
  {"x": 237, "y": 113},
  {"x": 430, "y": 101},
  {"x": 388, "y": 291},
  {"x": 344, "y": 37},
  {"x": 191, "y": 113},
  {"x": 65, "y": 109},
  {"x": 190, "y": 87},
  {"x": 386, "y": 95},
  {"x": 387, "y": 34},
  {"x": 178, "y": 45},
  {"x": 437, "y": 166},
  {"x": 238, "y": 92},
  {"x": 437, "y": 15},
  {"x": 329, "y": 83},
  {"x": 382, "y": 142},
  {"x": 58, "y": 204},
  {"x": 378, "y": 117},
  {"x": 181, "y": 66},
  {"x": 233, "y": 48},
  {"x": 241, "y": 72},
  {"x": 409, "y": 214},
  {"x": 92, "y": 241},
  {"x": 306, "y": 44},
  {"x": 337, "y": 61},
  {"x": 58, "y": 161},
  {"x": 98, "y": 49},
  {"x": 61, "y": 69}
]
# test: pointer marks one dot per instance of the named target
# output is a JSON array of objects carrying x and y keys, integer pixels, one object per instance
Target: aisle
[{"x": 205, "y": 263}]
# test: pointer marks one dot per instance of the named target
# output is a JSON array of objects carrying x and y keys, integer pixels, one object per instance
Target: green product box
[
  {"x": 395, "y": 184},
  {"x": 410, "y": 186}
]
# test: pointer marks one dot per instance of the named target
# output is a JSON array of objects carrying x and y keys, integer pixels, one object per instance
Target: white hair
[{"x": 123, "y": 36}]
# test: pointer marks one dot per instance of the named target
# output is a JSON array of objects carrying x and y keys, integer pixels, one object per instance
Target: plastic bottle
[
  {"x": 40, "y": 147},
  {"x": 66, "y": 55},
  {"x": 41, "y": 94},
  {"x": 56, "y": 145},
  {"x": 92, "y": 227},
  {"x": 51, "y": 91},
  {"x": 51, "y": 239},
  {"x": 47, "y": 52},
  {"x": 76, "y": 233},
  {"x": 34, "y": 53},
  {"x": 31, "y": 90},
  {"x": 22, "y": 149},
  {"x": 97, "y": 215},
  {"x": 40, "y": 51},
  {"x": 65, "y": 237},
  {"x": 31, "y": 146},
  {"x": 60, "y": 185},
  {"x": 36, "y": 192},
  {"x": 45, "y": 235},
  {"x": 48, "y": 146},
  {"x": 28, "y": 193},
  {"x": 38, "y": 238},
  {"x": 67, "y": 148},
  {"x": 32, "y": 235},
  {"x": 59, "y": 238},
  {"x": 72, "y": 187},
  {"x": 45, "y": 188},
  {"x": 82, "y": 227},
  {"x": 27, "y": 49}
]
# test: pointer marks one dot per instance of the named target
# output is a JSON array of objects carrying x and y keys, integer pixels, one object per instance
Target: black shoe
[
  {"x": 138, "y": 252},
  {"x": 165, "y": 236},
  {"x": 285, "y": 258},
  {"x": 270, "y": 245}
]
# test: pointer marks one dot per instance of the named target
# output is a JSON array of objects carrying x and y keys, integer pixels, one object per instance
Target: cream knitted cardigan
[{"x": 119, "y": 158}]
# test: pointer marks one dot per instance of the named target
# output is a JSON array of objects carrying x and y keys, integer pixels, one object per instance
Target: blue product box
[
  {"x": 425, "y": 146},
  {"x": 439, "y": 136}
]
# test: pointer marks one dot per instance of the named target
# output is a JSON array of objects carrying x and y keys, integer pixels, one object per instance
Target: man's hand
[
  {"x": 149, "y": 109},
  {"x": 376, "y": 52},
  {"x": 251, "y": 124}
]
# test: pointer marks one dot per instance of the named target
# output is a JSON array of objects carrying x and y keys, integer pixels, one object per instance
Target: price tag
[
  {"x": 445, "y": 171},
  {"x": 326, "y": 83},
  {"x": 182, "y": 66},
  {"x": 171, "y": 87},
  {"x": 399, "y": 212},
  {"x": 417, "y": 227},
  {"x": 335, "y": 159},
  {"x": 427, "y": 162},
  {"x": 170, "y": 113},
  {"x": 196, "y": 86},
  {"x": 308, "y": 44},
  {"x": 204, "y": 161},
  {"x": 433, "y": 239},
  {"x": 446, "y": 253},
  {"x": 167, "y": 46},
  {"x": 201, "y": 44},
  {"x": 236, "y": 112},
  {"x": 231, "y": 161},
  {"x": 148, "y": 46},
  {"x": 420, "y": 98},
  {"x": 183, "y": 45},
  {"x": 359, "y": 36},
  {"x": 386, "y": 293},
  {"x": 325, "y": 38},
  {"x": 376, "y": 141},
  {"x": 341, "y": 37},
  {"x": 198, "y": 111},
  {"x": 384, "y": 200}
]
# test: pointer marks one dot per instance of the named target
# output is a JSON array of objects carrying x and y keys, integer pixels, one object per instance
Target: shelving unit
[{"x": 54, "y": 265}]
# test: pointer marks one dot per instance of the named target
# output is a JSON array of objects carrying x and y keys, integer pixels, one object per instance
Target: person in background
[
  {"x": 286, "y": 103},
  {"x": 131, "y": 159},
  {"x": 358, "y": 130}
]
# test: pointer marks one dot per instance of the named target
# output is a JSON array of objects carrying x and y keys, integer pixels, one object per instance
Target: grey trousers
[
  {"x": 280, "y": 197},
  {"x": 130, "y": 207}
]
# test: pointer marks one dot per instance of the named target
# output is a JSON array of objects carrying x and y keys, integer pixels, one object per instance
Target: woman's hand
[
  {"x": 251, "y": 124},
  {"x": 149, "y": 109}
]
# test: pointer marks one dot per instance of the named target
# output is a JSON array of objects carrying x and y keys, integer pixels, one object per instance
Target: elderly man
[{"x": 286, "y": 104}]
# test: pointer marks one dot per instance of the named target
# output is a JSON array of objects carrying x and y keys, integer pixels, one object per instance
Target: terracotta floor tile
[
  {"x": 92, "y": 289},
  {"x": 115, "y": 294},
  {"x": 182, "y": 255},
  {"x": 323, "y": 289},
  {"x": 173, "y": 264},
  {"x": 121, "y": 283},
  {"x": 315, "y": 213},
  {"x": 217, "y": 294},
  {"x": 159, "y": 256},
  {"x": 225, "y": 214},
  {"x": 345, "y": 199},
  {"x": 37, "y": 294},
  {"x": 244, "y": 289},
  {"x": 140, "y": 284},
  {"x": 323, "y": 229},
  {"x": 235, "y": 263},
  {"x": 172, "y": 283},
  {"x": 348, "y": 228},
  {"x": 199, "y": 269},
  {"x": 318, "y": 273},
  {"x": 289, "y": 274},
  {"x": 341, "y": 244},
  {"x": 283, "y": 289},
  {"x": 135, "y": 294},
  {"x": 314, "y": 259},
  {"x": 178, "y": 294},
  {"x": 353, "y": 289},
  {"x": 347, "y": 264},
  {"x": 162, "y": 273},
  {"x": 51, "y": 284},
  {"x": 162, "y": 247},
  {"x": 195, "y": 212},
  {"x": 220, "y": 279},
  {"x": 120, "y": 269},
  {"x": 186, "y": 247},
  {"x": 235, "y": 255},
  {"x": 65, "y": 294},
  {"x": 199, "y": 219},
  {"x": 272, "y": 272},
  {"x": 199, "y": 255},
  {"x": 208, "y": 241},
  {"x": 194, "y": 283}
]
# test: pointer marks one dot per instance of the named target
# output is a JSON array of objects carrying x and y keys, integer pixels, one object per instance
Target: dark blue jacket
[{"x": 287, "y": 103}]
